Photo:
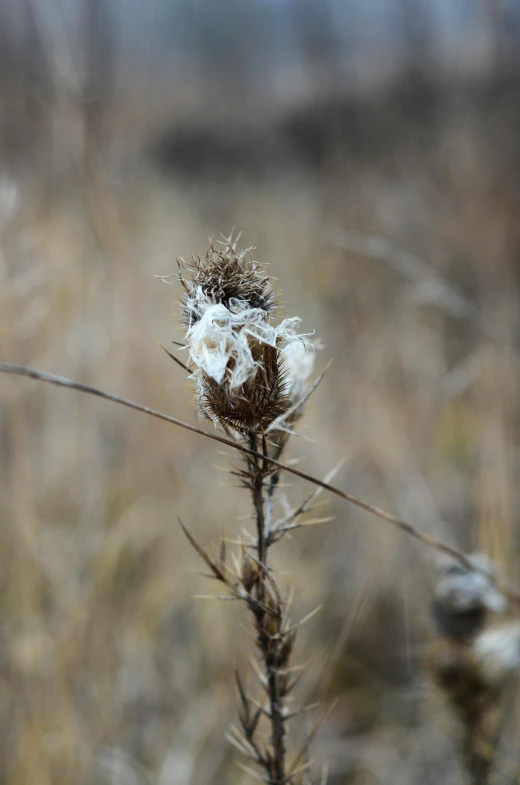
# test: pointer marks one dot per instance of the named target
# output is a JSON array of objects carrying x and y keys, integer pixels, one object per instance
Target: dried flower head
[
  {"x": 498, "y": 652},
  {"x": 236, "y": 352},
  {"x": 226, "y": 277},
  {"x": 462, "y": 589},
  {"x": 464, "y": 597}
]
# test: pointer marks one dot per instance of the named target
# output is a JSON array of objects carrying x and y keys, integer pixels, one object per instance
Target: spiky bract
[{"x": 224, "y": 276}]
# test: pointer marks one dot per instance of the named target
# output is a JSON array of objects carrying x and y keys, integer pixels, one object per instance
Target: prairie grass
[{"x": 110, "y": 671}]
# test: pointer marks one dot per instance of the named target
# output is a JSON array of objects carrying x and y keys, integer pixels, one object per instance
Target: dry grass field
[{"x": 111, "y": 671}]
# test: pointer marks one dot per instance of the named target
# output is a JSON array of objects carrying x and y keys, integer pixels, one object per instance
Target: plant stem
[
  {"x": 257, "y": 490},
  {"x": 277, "y": 725},
  {"x": 269, "y": 644}
]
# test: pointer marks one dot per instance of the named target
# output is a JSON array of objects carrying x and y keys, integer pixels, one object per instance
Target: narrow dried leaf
[
  {"x": 254, "y": 722},
  {"x": 222, "y": 556},
  {"x": 244, "y": 717},
  {"x": 174, "y": 358},
  {"x": 305, "y": 619},
  {"x": 248, "y": 770},
  {"x": 203, "y": 554},
  {"x": 241, "y": 747}
]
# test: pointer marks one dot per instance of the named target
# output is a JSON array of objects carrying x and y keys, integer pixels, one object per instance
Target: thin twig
[{"x": 512, "y": 594}]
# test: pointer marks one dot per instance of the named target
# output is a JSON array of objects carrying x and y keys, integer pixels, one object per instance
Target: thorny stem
[
  {"x": 257, "y": 491},
  {"x": 277, "y": 725},
  {"x": 268, "y": 644}
]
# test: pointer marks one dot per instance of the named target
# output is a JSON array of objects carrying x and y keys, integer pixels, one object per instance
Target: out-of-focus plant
[{"x": 474, "y": 659}]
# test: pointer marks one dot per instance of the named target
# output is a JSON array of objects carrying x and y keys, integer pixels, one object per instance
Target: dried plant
[
  {"x": 252, "y": 374},
  {"x": 473, "y": 660},
  {"x": 252, "y": 377}
]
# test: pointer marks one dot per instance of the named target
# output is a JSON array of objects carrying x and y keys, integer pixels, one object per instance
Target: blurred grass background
[{"x": 128, "y": 136}]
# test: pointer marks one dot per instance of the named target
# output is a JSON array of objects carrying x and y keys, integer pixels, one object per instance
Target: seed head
[
  {"x": 464, "y": 597},
  {"x": 236, "y": 352},
  {"x": 498, "y": 652},
  {"x": 226, "y": 277}
]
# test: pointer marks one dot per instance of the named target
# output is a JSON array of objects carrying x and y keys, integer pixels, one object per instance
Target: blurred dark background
[{"x": 371, "y": 151}]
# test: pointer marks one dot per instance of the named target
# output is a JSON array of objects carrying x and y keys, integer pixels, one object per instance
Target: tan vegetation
[{"x": 110, "y": 671}]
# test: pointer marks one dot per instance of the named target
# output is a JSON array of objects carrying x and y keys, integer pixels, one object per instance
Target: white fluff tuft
[
  {"x": 460, "y": 589},
  {"x": 223, "y": 334},
  {"x": 498, "y": 651},
  {"x": 299, "y": 360}
]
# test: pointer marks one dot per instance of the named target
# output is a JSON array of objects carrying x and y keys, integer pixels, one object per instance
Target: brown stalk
[
  {"x": 257, "y": 492},
  {"x": 272, "y": 641}
]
